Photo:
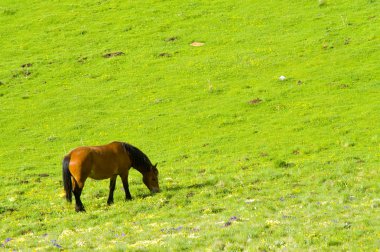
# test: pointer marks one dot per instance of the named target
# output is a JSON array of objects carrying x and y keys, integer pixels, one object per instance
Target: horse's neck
[{"x": 139, "y": 169}]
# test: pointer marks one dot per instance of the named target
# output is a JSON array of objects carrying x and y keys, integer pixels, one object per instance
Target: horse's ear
[{"x": 155, "y": 169}]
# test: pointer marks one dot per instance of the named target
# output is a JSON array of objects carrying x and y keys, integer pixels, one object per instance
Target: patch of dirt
[
  {"x": 283, "y": 164},
  {"x": 22, "y": 72},
  {"x": 296, "y": 152},
  {"x": 113, "y": 54},
  {"x": 43, "y": 175},
  {"x": 171, "y": 39},
  {"x": 183, "y": 157},
  {"x": 26, "y": 65},
  {"x": 82, "y": 59},
  {"x": 190, "y": 194},
  {"x": 255, "y": 101},
  {"x": 167, "y": 55}
]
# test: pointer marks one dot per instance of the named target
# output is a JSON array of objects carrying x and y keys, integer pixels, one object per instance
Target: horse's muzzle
[{"x": 155, "y": 190}]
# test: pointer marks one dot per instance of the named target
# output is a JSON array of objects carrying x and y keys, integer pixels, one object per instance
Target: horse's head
[{"x": 150, "y": 179}]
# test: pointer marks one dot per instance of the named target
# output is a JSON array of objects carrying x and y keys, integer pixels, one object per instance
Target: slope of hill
[{"x": 247, "y": 161}]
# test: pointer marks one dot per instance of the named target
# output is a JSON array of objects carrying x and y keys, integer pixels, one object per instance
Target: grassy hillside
[{"x": 246, "y": 161}]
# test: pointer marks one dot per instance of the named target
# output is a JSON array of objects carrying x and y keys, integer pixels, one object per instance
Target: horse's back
[{"x": 100, "y": 162}]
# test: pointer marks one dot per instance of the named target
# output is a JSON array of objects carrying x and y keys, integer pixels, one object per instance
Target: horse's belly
[
  {"x": 103, "y": 172},
  {"x": 105, "y": 163}
]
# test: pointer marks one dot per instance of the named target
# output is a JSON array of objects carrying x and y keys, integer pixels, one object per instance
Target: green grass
[{"x": 298, "y": 169}]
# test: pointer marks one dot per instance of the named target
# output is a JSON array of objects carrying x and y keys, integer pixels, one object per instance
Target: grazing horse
[{"x": 102, "y": 162}]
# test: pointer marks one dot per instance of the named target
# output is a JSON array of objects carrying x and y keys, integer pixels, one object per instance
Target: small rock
[
  {"x": 179, "y": 228},
  {"x": 196, "y": 44},
  {"x": 55, "y": 244},
  {"x": 230, "y": 221}
]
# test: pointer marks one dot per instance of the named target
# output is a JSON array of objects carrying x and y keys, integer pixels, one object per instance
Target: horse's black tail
[{"x": 67, "y": 185}]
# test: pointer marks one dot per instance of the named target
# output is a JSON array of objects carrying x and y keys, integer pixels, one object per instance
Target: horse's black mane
[{"x": 139, "y": 159}]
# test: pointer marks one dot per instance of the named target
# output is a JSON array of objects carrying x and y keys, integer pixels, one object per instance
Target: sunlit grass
[{"x": 246, "y": 161}]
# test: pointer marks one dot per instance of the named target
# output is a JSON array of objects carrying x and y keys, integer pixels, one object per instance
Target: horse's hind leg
[
  {"x": 78, "y": 187},
  {"x": 112, "y": 189},
  {"x": 78, "y": 203}
]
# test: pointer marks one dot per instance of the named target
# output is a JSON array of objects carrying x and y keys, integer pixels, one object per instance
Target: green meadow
[{"x": 247, "y": 162}]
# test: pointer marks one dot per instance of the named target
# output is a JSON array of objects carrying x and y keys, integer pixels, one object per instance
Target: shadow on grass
[
  {"x": 193, "y": 186},
  {"x": 176, "y": 188}
]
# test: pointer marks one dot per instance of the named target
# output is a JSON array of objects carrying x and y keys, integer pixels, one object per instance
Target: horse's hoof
[
  {"x": 109, "y": 203},
  {"x": 79, "y": 209}
]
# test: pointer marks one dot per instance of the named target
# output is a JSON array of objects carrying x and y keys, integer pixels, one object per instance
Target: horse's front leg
[
  {"x": 112, "y": 189},
  {"x": 124, "y": 178}
]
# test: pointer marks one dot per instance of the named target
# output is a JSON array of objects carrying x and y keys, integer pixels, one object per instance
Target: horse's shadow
[
  {"x": 178, "y": 188},
  {"x": 193, "y": 186}
]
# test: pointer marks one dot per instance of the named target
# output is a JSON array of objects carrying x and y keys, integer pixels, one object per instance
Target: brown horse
[{"x": 102, "y": 162}]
